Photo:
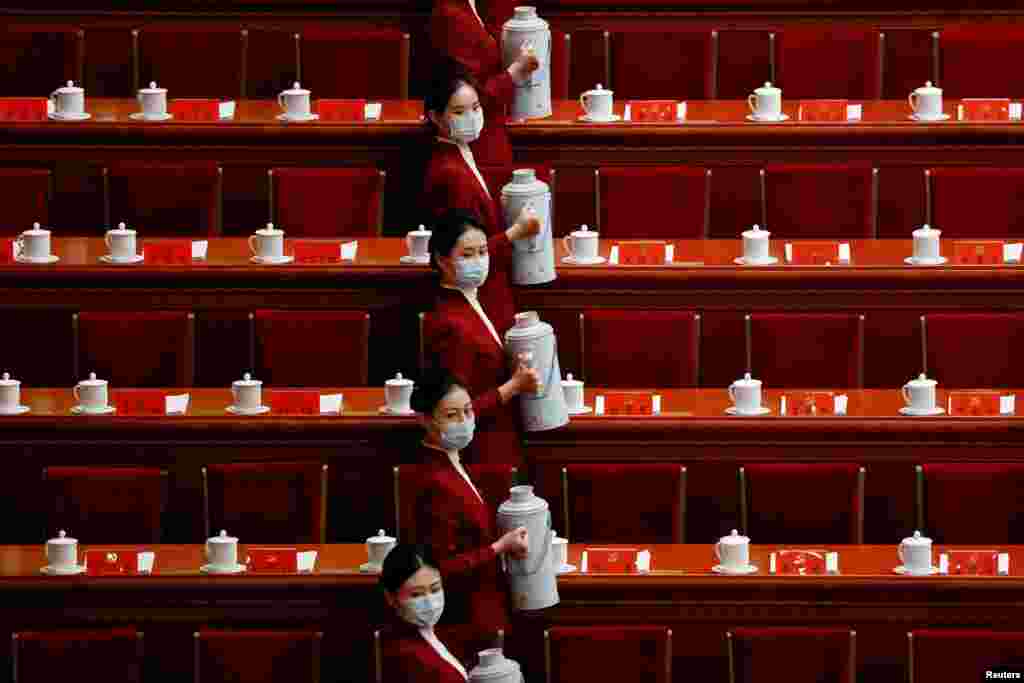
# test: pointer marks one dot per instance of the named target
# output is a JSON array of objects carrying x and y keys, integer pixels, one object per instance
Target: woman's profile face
[{"x": 456, "y": 406}]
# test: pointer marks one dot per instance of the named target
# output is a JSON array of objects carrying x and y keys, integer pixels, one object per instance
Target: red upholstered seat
[
  {"x": 194, "y": 59},
  {"x": 27, "y": 192},
  {"x": 972, "y": 502},
  {"x": 105, "y": 504},
  {"x": 736, "y": 201},
  {"x": 640, "y": 348},
  {"x": 608, "y": 653},
  {"x": 491, "y": 481},
  {"x": 797, "y": 655},
  {"x": 974, "y": 350},
  {"x": 328, "y": 202},
  {"x": 39, "y": 58},
  {"x": 47, "y": 656},
  {"x": 223, "y": 347},
  {"x": 972, "y": 202},
  {"x": 271, "y": 62},
  {"x": 806, "y": 350},
  {"x": 656, "y": 509},
  {"x": 137, "y": 349},
  {"x": 561, "y": 60},
  {"x": 312, "y": 348},
  {"x": 339, "y": 62},
  {"x": 109, "y": 54},
  {"x": 964, "y": 654},
  {"x": 744, "y": 61},
  {"x": 683, "y": 57},
  {"x": 257, "y": 656},
  {"x": 971, "y": 56},
  {"x": 908, "y": 59},
  {"x": 653, "y": 202},
  {"x": 267, "y": 502},
  {"x": 181, "y": 199},
  {"x": 42, "y": 353},
  {"x": 817, "y": 61},
  {"x": 803, "y": 503},
  {"x": 827, "y": 201}
]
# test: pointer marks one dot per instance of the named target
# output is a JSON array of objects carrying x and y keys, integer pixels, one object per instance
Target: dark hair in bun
[
  {"x": 404, "y": 560},
  {"x": 431, "y": 388},
  {"x": 447, "y": 229}
]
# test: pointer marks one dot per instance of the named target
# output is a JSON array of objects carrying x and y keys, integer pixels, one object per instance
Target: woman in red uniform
[
  {"x": 458, "y": 33},
  {"x": 452, "y": 517},
  {"x": 464, "y": 333}
]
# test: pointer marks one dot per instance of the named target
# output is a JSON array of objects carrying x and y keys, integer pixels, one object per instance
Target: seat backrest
[
  {"x": 996, "y": 201},
  {"x": 257, "y": 656},
  {"x": 39, "y": 58},
  {"x": 961, "y": 654},
  {"x": 676, "y": 202},
  {"x": 973, "y": 350},
  {"x": 971, "y": 502},
  {"x": 267, "y": 502},
  {"x": 608, "y": 653},
  {"x": 827, "y": 61},
  {"x": 806, "y": 350},
  {"x": 28, "y": 193},
  {"x": 806, "y": 655},
  {"x": 192, "y": 59},
  {"x": 908, "y": 55},
  {"x": 368, "y": 63},
  {"x": 656, "y": 512},
  {"x": 640, "y": 348},
  {"x": 685, "y": 59},
  {"x": 105, "y": 504},
  {"x": 968, "y": 52},
  {"x": 271, "y": 61},
  {"x": 164, "y": 199},
  {"x": 746, "y": 59},
  {"x": 137, "y": 349},
  {"x": 328, "y": 202},
  {"x": 824, "y": 201},
  {"x": 42, "y": 353},
  {"x": 46, "y": 656},
  {"x": 817, "y": 503},
  {"x": 312, "y": 348}
]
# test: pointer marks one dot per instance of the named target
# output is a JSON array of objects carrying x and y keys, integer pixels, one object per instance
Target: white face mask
[
  {"x": 424, "y": 611},
  {"x": 471, "y": 273},
  {"x": 466, "y": 127}
]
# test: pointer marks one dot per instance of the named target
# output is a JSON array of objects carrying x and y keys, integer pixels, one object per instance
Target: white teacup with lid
[
  {"x": 572, "y": 389},
  {"x": 746, "y": 396},
  {"x": 733, "y": 553},
  {"x": 598, "y": 103},
  {"x": 222, "y": 554},
  {"x": 10, "y": 396},
  {"x": 295, "y": 103},
  {"x": 69, "y": 102},
  {"x": 756, "y": 247},
  {"x": 121, "y": 244},
  {"x": 153, "y": 101},
  {"x": 766, "y": 103},
  {"x": 926, "y": 102},
  {"x": 919, "y": 396},
  {"x": 247, "y": 396},
  {"x": 418, "y": 243},
  {"x": 377, "y": 548},
  {"x": 582, "y": 246},
  {"x": 494, "y": 667},
  {"x": 34, "y": 245},
  {"x": 915, "y": 553},
  {"x": 926, "y": 246},
  {"x": 267, "y": 244},
  {"x": 397, "y": 395},
  {"x": 62, "y": 555},
  {"x": 91, "y": 395}
]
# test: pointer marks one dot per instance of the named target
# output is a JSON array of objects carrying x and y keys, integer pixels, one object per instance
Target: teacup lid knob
[
  {"x": 122, "y": 226},
  {"x": 7, "y": 376},
  {"x": 922, "y": 376},
  {"x": 36, "y": 226},
  {"x": 71, "y": 84},
  {"x": 767, "y": 84},
  {"x": 223, "y": 533},
  {"x": 927, "y": 84},
  {"x": 568, "y": 377},
  {"x": 734, "y": 533},
  {"x": 380, "y": 533},
  {"x": 152, "y": 85},
  {"x": 270, "y": 226},
  {"x": 746, "y": 376},
  {"x": 917, "y": 534},
  {"x": 584, "y": 228},
  {"x": 756, "y": 228},
  {"x": 398, "y": 375},
  {"x": 61, "y": 534},
  {"x": 422, "y": 227},
  {"x": 296, "y": 85},
  {"x": 92, "y": 376},
  {"x": 247, "y": 377}
]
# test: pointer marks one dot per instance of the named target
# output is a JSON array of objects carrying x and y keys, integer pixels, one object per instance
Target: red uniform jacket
[
  {"x": 450, "y": 184},
  {"x": 408, "y": 658},
  {"x": 456, "y": 33},
  {"x": 460, "y": 529}
]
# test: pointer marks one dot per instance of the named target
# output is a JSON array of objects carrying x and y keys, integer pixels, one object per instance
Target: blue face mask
[
  {"x": 456, "y": 435},
  {"x": 424, "y": 611},
  {"x": 471, "y": 273},
  {"x": 466, "y": 127}
]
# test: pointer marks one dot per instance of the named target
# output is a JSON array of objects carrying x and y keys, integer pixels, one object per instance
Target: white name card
[
  {"x": 176, "y": 404},
  {"x": 331, "y": 403}
]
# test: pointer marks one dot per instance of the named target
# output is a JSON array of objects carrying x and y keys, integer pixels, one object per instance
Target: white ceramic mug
[
  {"x": 91, "y": 394},
  {"x": 34, "y": 243},
  {"x": 919, "y": 394},
  {"x": 559, "y": 551},
  {"x": 598, "y": 103},
  {"x": 62, "y": 552},
  {"x": 582, "y": 244},
  {"x": 418, "y": 243},
  {"x": 926, "y": 244},
  {"x": 121, "y": 243},
  {"x": 10, "y": 393},
  {"x": 766, "y": 102},
  {"x": 572, "y": 389},
  {"x": 267, "y": 243},
  {"x": 378, "y": 547},
  {"x": 398, "y": 394},
  {"x": 926, "y": 102},
  {"x": 68, "y": 100},
  {"x": 733, "y": 551},
  {"x": 295, "y": 102},
  {"x": 247, "y": 393},
  {"x": 153, "y": 101},
  {"x": 756, "y": 245},
  {"x": 915, "y": 553},
  {"x": 222, "y": 551},
  {"x": 746, "y": 395}
]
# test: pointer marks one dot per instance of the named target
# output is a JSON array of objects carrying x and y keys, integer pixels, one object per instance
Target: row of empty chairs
[
  {"x": 685, "y": 59},
  {"x": 616, "y": 348},
  {"x": 837, "y": 200}
]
